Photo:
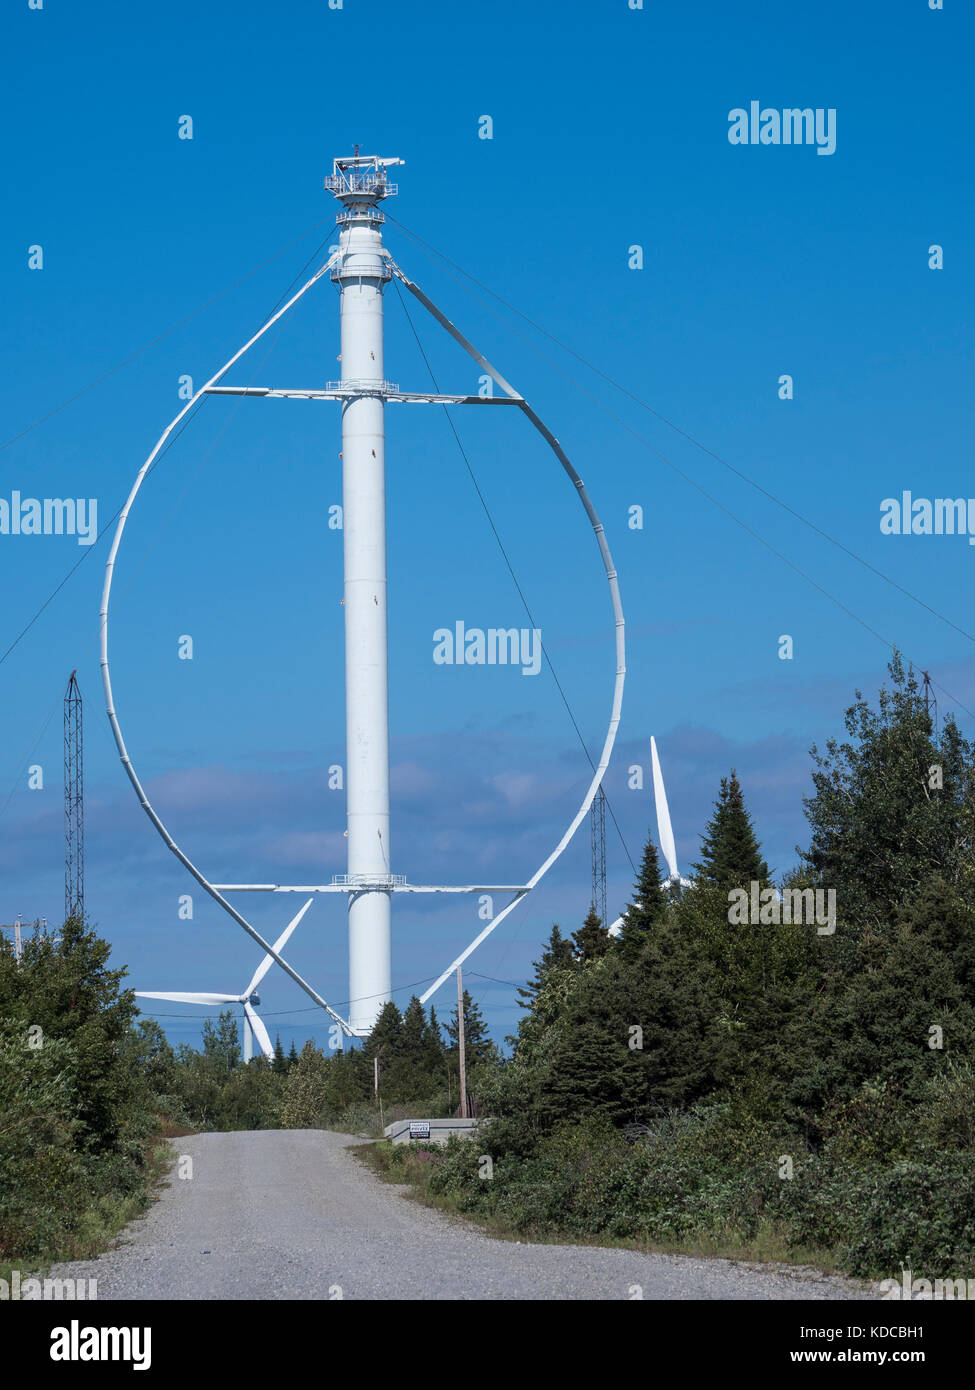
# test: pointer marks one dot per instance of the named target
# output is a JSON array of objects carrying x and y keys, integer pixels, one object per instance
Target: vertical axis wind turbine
[{"x": 361, "y": 267}]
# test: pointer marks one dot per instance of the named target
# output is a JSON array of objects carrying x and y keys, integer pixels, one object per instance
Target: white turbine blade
[
  {"x": 260, "y": 1032},
  {"x": 189, "y": 998},
  {"x": 617, "y": 928},
  {"x": 665, "y": 832},
  {"x": 279, "y": 946}
]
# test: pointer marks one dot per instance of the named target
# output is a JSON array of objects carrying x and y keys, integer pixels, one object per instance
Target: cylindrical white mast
[{"x": 361, "y": 272}]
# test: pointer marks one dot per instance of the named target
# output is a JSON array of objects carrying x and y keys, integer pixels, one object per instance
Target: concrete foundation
[{"x": 440, "y": 1130}]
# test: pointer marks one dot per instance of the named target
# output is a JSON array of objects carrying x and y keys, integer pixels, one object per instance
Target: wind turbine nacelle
[{"x": 253, "y": 999}]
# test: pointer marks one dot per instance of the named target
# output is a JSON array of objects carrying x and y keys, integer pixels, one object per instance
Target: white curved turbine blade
[
  {"x": 665, "y": 831},
  {"x": 279, "y": 946},
  {"x": 188, "y": 998},
  {"x": 259, "y": 1031},
  {"x": 617, "y": 928}
]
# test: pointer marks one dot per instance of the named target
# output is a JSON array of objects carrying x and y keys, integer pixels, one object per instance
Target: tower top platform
[{"x": 361, "y": 178}]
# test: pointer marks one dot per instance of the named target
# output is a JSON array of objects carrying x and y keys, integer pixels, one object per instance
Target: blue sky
[{"x": 610, "y": 130}]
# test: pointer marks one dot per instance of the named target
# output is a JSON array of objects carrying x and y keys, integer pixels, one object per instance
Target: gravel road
[{"x": 291, "y": 1214}]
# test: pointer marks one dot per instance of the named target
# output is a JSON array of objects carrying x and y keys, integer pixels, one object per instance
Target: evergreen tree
[
  {"x": 731, "y": 856},
  {"x": 433, "y": 1045},
  {"x": 631, "y": 1038},
  {"x": 591, "y": 940},
  {"x": 386, "y": 1039},
  {"x": 280, "y": 1063},
  {"x": 646, "y": 911},
  {"x": 478, "y": 1046},
  {"x": 408, "y": 1051},
  {"x": 422, "y": 1047},
  {"x": 760, "y": 981},
  {"x": 893, "y": 805},
  {"x": 556, "y": 954},
  {"x": 414, "y": 1031},
  {"x": 878, "y": 1003},
  {"x": 292, "y": 1055}
]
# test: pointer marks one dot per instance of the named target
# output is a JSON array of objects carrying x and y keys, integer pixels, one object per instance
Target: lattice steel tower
[
  {"x": 597, "y": 833},
  {"x": 74, "y": 802}
]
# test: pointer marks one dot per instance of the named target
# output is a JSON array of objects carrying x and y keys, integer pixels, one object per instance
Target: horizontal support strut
[
  {"x": 371, "y": 888},
  {"x": 338, "y": 393}
]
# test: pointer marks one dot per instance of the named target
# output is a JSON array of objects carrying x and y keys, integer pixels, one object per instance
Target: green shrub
[{"x": 921, "y": 1215}]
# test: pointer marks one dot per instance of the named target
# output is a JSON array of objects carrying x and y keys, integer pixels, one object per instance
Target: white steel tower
[{"x": 361, "y": 270}]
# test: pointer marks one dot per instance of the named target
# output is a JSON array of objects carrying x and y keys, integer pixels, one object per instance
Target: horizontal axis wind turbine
[
  {"x": 249, "y": 998},
  {"x": 665, "y": 834}
]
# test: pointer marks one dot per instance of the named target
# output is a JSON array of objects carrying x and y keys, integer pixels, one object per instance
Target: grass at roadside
[
  {"x": 94, "y": 1229},
  {"x": 413, "y": 1166}
]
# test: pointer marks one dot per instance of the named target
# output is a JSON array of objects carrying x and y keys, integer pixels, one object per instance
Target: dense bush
[
  {"x": 919, "y": 1214},
  {"x": 75, "y": 1107},
  {"x": 713, "y": 1174}
]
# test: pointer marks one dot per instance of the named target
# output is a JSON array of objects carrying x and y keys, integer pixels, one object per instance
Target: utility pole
[
  {"x": 17, "y": 928},
  {"x": 361, "y": 271},
  {"x": 74, "y": 802},
  {"x": 18, "y": 940},
  {"x": 460, "y": 1044}
]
